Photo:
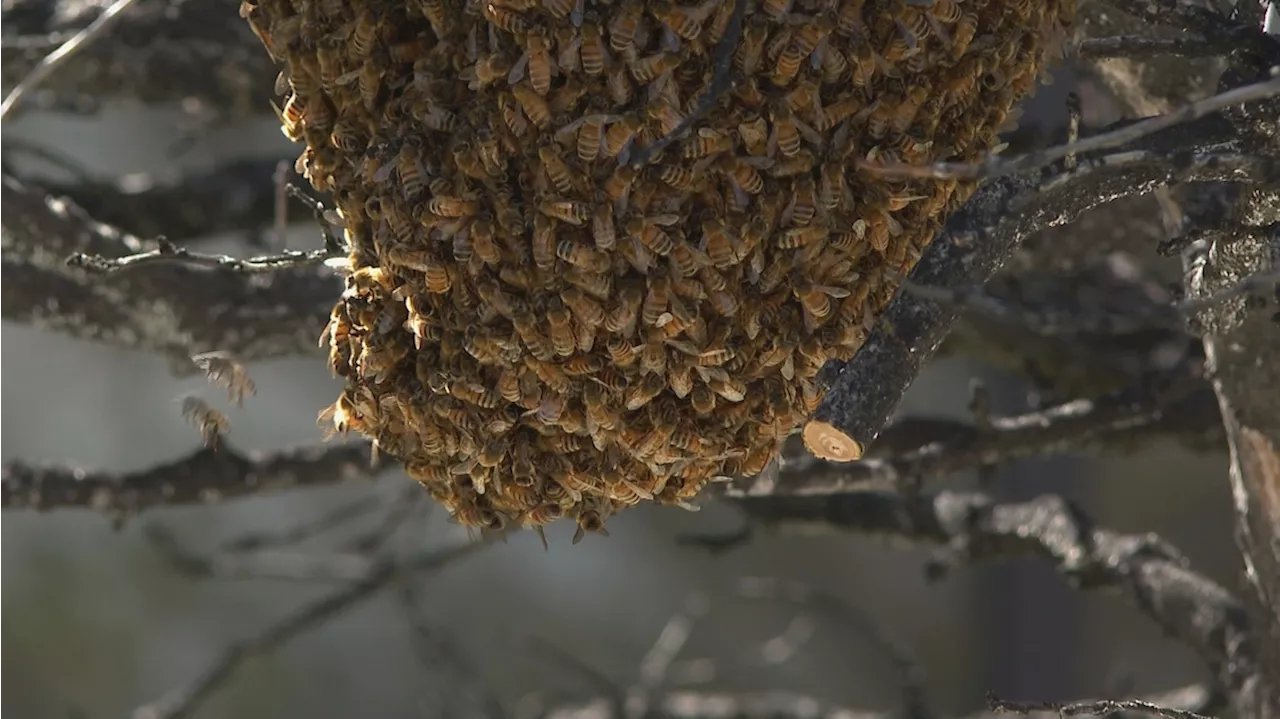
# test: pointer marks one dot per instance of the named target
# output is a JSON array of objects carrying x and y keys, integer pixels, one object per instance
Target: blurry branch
[
  {"x": 693, "y": 704},
  {"x": 197, "y": 53},
  {"x": 184, "y": 701},
  {"x": 913, "y": 451},
  {"x": 59, "y": 57},
  {"x": 168, "y": 253},
  {"x": 1138, "y": 47},
  {"x": 208, "y": 476},
  {"x": 918, "y": 450},
  {"x": 233, "y": 197},
  {"x": 864, "y": 392},
  {"x": 1189, "y": 606},
  {"x": 175, "y": 310},
  {"x": 1093, "y": 708}
]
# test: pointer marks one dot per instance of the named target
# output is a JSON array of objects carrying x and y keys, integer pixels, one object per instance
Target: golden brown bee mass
[{"x": 545, "y": 320}]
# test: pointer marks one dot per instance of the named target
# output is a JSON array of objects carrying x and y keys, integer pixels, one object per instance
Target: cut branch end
[{"x": 827, "y": 442}]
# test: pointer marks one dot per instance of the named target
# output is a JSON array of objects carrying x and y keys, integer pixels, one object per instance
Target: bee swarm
[{"x": 540, "y": 326}]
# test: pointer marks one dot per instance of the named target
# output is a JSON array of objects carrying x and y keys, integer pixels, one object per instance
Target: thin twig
[
  {"x": 326, "y": 522},
  {"x": 183, "y": 701},
  {"x": 166, "y": 252},
  {"x": 1091, "y": 708},
  {"x": 65, "y": 52},
  {"x": 1141, "y": 47},
  {"x": 1256, "y": 284},
  {"x": 997, "y": 166}
]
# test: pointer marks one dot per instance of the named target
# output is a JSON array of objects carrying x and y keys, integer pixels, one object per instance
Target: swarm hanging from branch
[{"x": 572, "y": 287}]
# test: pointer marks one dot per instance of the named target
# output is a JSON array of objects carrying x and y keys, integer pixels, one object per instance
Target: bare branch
[
  {"x": 172, "y": 308},
  {"x": 65, "y": 52},
  {"x": 1093, "y": 708},
  {"x": 204, "y": 477},
  {"x": 166, "y": 253},
  {"x": 1199, "y": 612},
  {"x": 184, "y": 701},
  {"x": 1137, "y": 47}
]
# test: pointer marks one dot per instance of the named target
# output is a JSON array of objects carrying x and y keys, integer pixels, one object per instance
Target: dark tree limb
[
  {"x": 175, "y": 310},
  {"x": 207, "y": 476},
  {"x": 977, "y": 241},
  {"x": 1192, "y": 608}
]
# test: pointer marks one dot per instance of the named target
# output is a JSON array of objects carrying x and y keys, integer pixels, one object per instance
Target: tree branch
[
  {"x": 175, "y": 310},
  {"x": 195, "y": 52},
  {"x": 1197, "y": 611}
]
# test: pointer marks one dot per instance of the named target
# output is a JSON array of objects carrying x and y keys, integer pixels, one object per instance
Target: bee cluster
[{"x": 549, "y": 313}]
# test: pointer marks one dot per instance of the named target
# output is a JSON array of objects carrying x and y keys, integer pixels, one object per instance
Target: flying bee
[{"x": 211, "y": 423}]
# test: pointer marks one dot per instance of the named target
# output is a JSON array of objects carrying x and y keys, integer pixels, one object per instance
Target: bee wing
[{"x": 518, "y": 70}]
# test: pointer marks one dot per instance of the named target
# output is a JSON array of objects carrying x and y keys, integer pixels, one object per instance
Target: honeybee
[
  {"x": 786, "y": 135},
  {"x": 590, "y": 137},
  {"x": 500, "y": 17},
  {"x": 446, "y": 206},
  {"x": 751, "y": 48},
  {"x": 620, "y": 134},
  {"x": 648, "y": 231},
  {"x": 558, "y": 170},
  {"x": 754, "y": 132},
  {"x": 584, "y": 256},
  {"x": 603, "y": 230},
  {"x": 622, "y": 318},
  {"x": 722, "y": 248},
  {"x": 561, "y": 331},
  {"x": 644, "y": 392},
  {"x": 685, "y": 260},
  {"x": 587, "y": 310},
  {"x": 482, "y": 240},
  {"x": 538, "y": 345},
  {"x": 596, "y": 284},
  {"x": 742, "y": 174},
  {"x": 568, "y": 211},
  {"x": 618, "y": 186},
  {"x": 212, "y": 423},
  {"x": 538, "y": 49},
  {"x": 707, "y": 142},
  {"x": 646, "y": 70},
  {"x": 409, "y": 167},
  {"x": 618, "y": 83},
  {"x": 623, "y": 28},
  {"x": 816, "y": 299},
  {"x": 593, "y": 52},
  {"x": 534, "y": 105},
  {"x": 656, "y": 300},
  {"x": 962, "y": 33}
]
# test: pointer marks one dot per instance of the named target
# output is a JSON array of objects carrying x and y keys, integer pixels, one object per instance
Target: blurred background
[{"x": 99, "y": 623}]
